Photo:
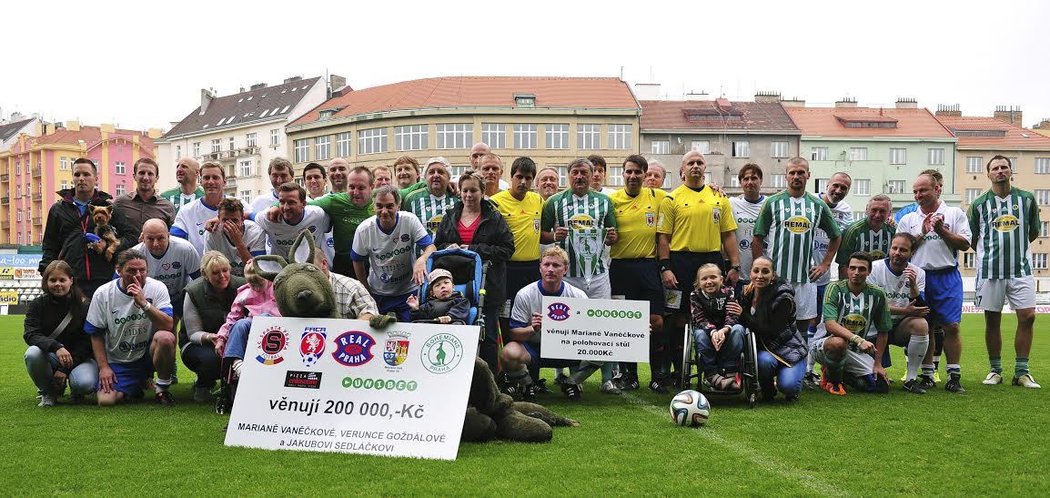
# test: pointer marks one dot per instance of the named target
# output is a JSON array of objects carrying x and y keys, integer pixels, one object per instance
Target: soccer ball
[{"x": 690, "y": 408}]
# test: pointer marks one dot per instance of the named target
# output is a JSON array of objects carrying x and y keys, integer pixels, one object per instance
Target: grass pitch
[{"x": 990, "y": 441}]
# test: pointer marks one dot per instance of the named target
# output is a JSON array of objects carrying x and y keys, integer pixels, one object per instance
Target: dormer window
[
  {"x": 524, "y": 100},
  {"x": 327, "y": 114}
]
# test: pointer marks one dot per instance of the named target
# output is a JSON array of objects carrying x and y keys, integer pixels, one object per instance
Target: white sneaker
[
  {"x": 1025, "y": 380},
  {"x": 609, "y": 388},
  {"x": 46, "y": 400},
  {"x": 992, "y": 379}
]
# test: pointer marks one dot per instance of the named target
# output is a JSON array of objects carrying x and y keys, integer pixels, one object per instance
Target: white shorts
[
  {"x": 857, "y": 364},
  {"x": 598, "y": 286},
  {"x": 806, "y": 305},
  {"x": 992, "y": 294}
]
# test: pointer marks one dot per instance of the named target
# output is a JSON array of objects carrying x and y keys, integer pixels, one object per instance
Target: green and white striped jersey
[
  {"x": 787, "y": 223},
  {"x": 1002, "y": 227},
  {"x": 858, "y": 236},
  {"x": 429, "y": 209},
  {"x": 863, "y": 313},
  {"x": 588, "y": 218}
]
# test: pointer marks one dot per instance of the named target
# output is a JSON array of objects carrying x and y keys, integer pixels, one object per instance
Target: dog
[{"x": 109, "y": 244}]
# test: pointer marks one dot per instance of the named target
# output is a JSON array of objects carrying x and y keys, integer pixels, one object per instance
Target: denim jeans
[
  {"x": 788, "y": 379},
  {"x": 727, "y": 358},
  {"x": 83, "y": 378},
  {"x": 237, "y": 342}
]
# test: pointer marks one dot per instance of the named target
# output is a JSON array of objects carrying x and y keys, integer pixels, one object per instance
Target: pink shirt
[{"x": 250, "y": 303}]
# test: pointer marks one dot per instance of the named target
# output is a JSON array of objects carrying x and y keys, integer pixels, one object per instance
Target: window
[
  {"x": 742, "y": 148},
  {"x": 819, "y": 154},
  {"x": 557, "y": 136},
  {"x": 589, "y": 136},
  {"x": 275, "y": 137},
  {"x": 778, "y": 149},
  {"x": 178, "y": 152},
  {"x": 615, "y": 176},
  {"x": 63, "y": 163},
  {"x": 342, "y": 144},
  {"x": 20, "y": 238},
  {"x": 251, "y": 140},
  {"x": 973, "y": 164},
  {"x": 494, "y": 134},
  {"x": 371, "y": 141},
  {"x": 18, "y": 218},
  {"x": 524, "y": 136},
  {"x": 858, "y": 153},
  {"x": 245, "y": 168},
  {"x": 455, "y": 135},
  {"x": 1042, "y": 197},
  {"x": 862, "y": 186},
  {"x": 780, "y": 181},
  {"x": 968, "y": 260},
  {"x": 661, "y": 146},
  {"x": 232, "y": 144},
  {"x": 302, "y": 150},
  {"x": 65, "y": 185},
  {"x": 196, "y": 149},
  {"x": 972, "y": 194},
  {"x": 936, "y": 157},
  {"x": 323, "y": 148},
  {"x": 701, "y": 146},
  {"x": 121, "y": 189},
  {"x": 620, "y": 136},
  {"x": 898, "y": 155},
  {"x": 1044, "y": 228},
  {"x": 1042, "y": 165},
  {"x": 216, "y": 145},
  {"x": 895, "y": 187},
  {"x": 859, "y": 214},
  {"x": 18, "y": 168},
  {"x": 1039, "y": 261},
  {"x": 734, "y": 181},
  {"x": 822, "y": 184},
  {"x": 246, "y": 195},
  {"x": 411, "y": 137},
  {"x": 120, "y": 168}
]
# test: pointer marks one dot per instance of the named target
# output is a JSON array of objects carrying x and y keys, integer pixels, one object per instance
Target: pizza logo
[
  {"x": 353, "y": 348},
  {"x": 558, "y": 311},
  {"x": 272, "y": 345}
]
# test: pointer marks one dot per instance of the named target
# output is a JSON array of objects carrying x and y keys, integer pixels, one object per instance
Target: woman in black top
[{"x": 768, "y": 310}]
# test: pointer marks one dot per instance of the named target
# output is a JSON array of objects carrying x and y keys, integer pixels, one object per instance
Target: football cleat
[
  {"x": 954, "y": 385},
  {"x": 993, "y": 378},
  {"x": 835, "y": 388},
  {"x": 1026, "y": 380},
  {"x": 914, "y": 386}
]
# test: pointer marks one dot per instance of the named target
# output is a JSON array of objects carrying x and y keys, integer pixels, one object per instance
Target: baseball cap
[{"x": 437, "y": 274}]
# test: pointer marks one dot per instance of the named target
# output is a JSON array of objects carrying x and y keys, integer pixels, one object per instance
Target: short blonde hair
[
  {"x": 706, "y": 266},
  {"x": 556, "y": 252},
  {"x": 211, "y": 259},
  {"x": 251, "y": 274}
]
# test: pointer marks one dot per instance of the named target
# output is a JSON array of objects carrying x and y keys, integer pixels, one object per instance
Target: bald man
[
  {"x": 479, "y": 149},
  {"x": 187, "y": 174},
  {"x": 171, "y": 260}
]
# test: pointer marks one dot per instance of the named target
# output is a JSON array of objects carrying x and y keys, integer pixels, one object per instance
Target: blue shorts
[
  {"x": 534, "y": 352},
  {"x": 132, "y": 376},
  {"x": 638, "y": 280},
  {"x": 944, "y": 294},
  {"x": 397, "y": 304}
]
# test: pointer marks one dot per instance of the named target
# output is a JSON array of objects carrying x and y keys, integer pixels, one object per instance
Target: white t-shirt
[
  {"x": 934, "y": 253},
  {"x": 390, "y": 256},
  {"x": 746, "y": 214},
  {"x": 842, "y": 213},
  {"x": 262, "y": 202},
  {"x": 898, "y": 294},
  {"x": 127, "y": 329},
  {"x": 529, "y": 300},
  {"x": 176, "y": 268},
  {"x": 329, "y": 239},
  {"x": 189, "y": 222},
  {"x": 282, "y": 235},
  {"x": 254, "y": 240}
]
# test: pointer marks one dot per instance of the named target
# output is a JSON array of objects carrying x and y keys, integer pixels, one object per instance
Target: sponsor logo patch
[
  {"x": 312, "y": 344},
  {"x": 353, "y": 348},
  {"x": 395, "y": 351},
  {"x": 558, "y": 311},
  {"x": 442, "y": 353},
  {"x": 272, "y": 345},
  {"x": 302, "y": 380}
]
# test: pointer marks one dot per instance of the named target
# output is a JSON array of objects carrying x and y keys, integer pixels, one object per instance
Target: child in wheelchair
[
  {"x": 718, "y": 337},
  {"x": 443, "y": 304}
]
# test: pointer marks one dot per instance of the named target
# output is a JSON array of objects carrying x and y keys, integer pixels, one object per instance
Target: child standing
[{"x": 719, "y": 338}]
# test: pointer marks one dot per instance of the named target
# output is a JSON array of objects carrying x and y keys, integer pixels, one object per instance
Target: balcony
[
  {"x": 5, "y": 200},
  {"x": 38, "y": 196},
  {"x": 5, "y": 177},
  {"x": 36, "y": 172}
]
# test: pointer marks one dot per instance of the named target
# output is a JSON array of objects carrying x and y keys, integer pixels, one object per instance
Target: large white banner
[
  {"x": 339, "y": 385},
  {"x": 595, "y": 329}
]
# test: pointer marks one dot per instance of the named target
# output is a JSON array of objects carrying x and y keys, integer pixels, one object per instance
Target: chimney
[
  {"x": 846, "y": 102},
  {"x": 335, "y": 84},
  {"x": 907, "y": 103},
  {"x": 73, "y": 125},
  {"x": 694, "y": 95},
  {"x": 793, "y": 102},
  {"x": 948, "y": 111},
  {"x": 49, "y": 129},
  {"x": 206, "y": 98},
  {"x": 293, "y": 79},
  {"x": 257, "y": 86},
  {"x": 767, "y": 97},
  {"x": 1010, "y": 114},
  {"x": 1043, "y": 125},
  {"x": 107, "y": 127}
]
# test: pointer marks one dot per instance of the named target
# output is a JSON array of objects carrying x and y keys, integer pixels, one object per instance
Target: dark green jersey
[
  {"x": 1002, "y": 227},
  {"x": 860, "y": 237},
  {"x": 178, "y": 199},
  {"x": 345, "y": 219},
  {"x": 787, "y": 223},
  {"x": 860, "y": 313}
]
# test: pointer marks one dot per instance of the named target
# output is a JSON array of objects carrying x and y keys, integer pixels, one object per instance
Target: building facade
[
  {"x": 17, "y": 125},
  {"x": 552, "y": 120},
  {"x": 34, "y": 169}
]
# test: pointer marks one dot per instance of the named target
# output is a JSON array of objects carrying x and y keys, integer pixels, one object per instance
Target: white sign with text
[
  {"x": 595, "y": 329},
  {"x": 341, "y": 386}
]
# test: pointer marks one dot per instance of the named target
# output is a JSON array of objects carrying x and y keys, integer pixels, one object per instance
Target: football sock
[
  {"x": 1021, "y": 367},
  {"x": 917, "y": 346},
  {"x": 997, "y": 364},
  {"x": 608, "y": 369},
  {"x": 954, "y": 368},
  {"x": 936, "y": 363},
  {"x": 928, "y": 369},
  {"x": 237, "y": 365},
  {"x": 162, "y": 384}
]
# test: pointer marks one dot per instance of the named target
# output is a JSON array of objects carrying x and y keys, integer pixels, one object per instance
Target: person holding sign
[
  {"x": 526, "y": 320},
  {"x": 768, "y": 311},
  {"x": 719, "y": 338}
]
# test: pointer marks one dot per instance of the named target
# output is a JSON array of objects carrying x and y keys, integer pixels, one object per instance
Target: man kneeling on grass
[
  {"x": 130, "y": 326},
  {"x": 850, "y": 308}
]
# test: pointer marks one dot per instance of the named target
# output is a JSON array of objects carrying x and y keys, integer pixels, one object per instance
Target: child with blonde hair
[{"x": 719, "y": 338}]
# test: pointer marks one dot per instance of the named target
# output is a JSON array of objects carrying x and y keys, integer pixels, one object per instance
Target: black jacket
[
  {"x": 456, "y": 306},
  {"x": 493, "y": 241},
  {"x": 64, "y": 239},
  {"x": 773, "y": 321},
  {"x": 44, "y": 314}
]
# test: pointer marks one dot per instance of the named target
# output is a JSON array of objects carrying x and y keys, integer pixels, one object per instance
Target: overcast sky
[{"x": 142, "y": 64}]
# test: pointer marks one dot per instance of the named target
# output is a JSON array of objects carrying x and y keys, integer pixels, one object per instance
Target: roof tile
[
  {"x": 243, "y": 108},
  {"x": 714, "y": 114},
  {"x": 829, "y": 122}
]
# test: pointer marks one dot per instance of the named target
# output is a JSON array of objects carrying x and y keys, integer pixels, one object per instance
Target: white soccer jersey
[
  {"x": 898, "y": 294},
  {"x": 842, "y": 213},
  {"x": 262, "y": 202},
  {"x": 390, "y": 255},
  {"x": 282, "y": 235},
  {"x": 254, "y": 240},
  {"x": 127, "y": 329},
  {"x": 746, "y": 214},
  {"x": 529, "y": 300},
  {"x": 189, "y": 222},
  {"x": 934, "y": 253},
  {"x": 179, "y": 265}
]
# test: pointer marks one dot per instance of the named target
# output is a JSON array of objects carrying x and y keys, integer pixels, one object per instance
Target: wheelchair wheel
[
  {"x": 688, "y": 357},
  {"x": 749, "y": 362}
]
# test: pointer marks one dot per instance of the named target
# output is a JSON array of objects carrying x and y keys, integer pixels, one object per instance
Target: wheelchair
[
  {"x": 468, "y": 276},
  {"x": 749, "y": 387}
]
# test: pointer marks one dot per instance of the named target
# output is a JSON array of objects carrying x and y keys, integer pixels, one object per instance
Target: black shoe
[
  {"x": 630, "y": 383},
  {"x": 926, "y": 382},
  {"x": 811, "y": 380},
  {"x": 572, "y": 391},
  {"x": 914, "y": 386},
  {"x": 541, "y": 387},
  {"x": 164, "y": 398},
  {"x": 528, "y": 393},
  {"x": 657, "y": 387},
  {"x": 954, "y": 385},
  {"x": 881, "y": 386}
]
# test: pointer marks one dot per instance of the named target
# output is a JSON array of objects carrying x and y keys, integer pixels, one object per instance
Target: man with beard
[
  {"x": 347, "y": 210},
  {"x": 144, "y": 203},
  {"x": 186, "y": 173},
  {"x": 191, "y": 221},
  {"x": 429, "y": 204}
]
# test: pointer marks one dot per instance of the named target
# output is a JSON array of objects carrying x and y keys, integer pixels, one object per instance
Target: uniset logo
[
  {"x": 558, "y": 311},
  {"x": 312, "y": 344},
  {"x": 353, "y": 348},
  {"x": 272, "y": 345},
  {"x": 302, "y": 380}
]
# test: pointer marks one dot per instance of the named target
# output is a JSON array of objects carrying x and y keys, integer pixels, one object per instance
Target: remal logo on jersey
[
  {"x": 1006, "y": 223},
  {"x": 854, "y": 322},
  {"x": 312, "y": 344},
  {"x": 272, "y": 345},
  {"x": 353, "y": 348},
  {"x": 558, "y": 311},
  {"x": 797, "y": 224}
]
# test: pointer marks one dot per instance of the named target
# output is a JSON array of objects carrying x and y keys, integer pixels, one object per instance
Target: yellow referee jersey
[
  {"x": 523, "y": 218},
  {"x": 636, "y": 223},
  {"x": 696, "y": 219}
]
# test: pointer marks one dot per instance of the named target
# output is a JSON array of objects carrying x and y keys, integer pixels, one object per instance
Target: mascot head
[{"x": 301, "y": 288}]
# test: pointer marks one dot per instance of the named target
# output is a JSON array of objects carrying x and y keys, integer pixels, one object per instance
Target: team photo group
[{"x": 738, "y": 287}]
